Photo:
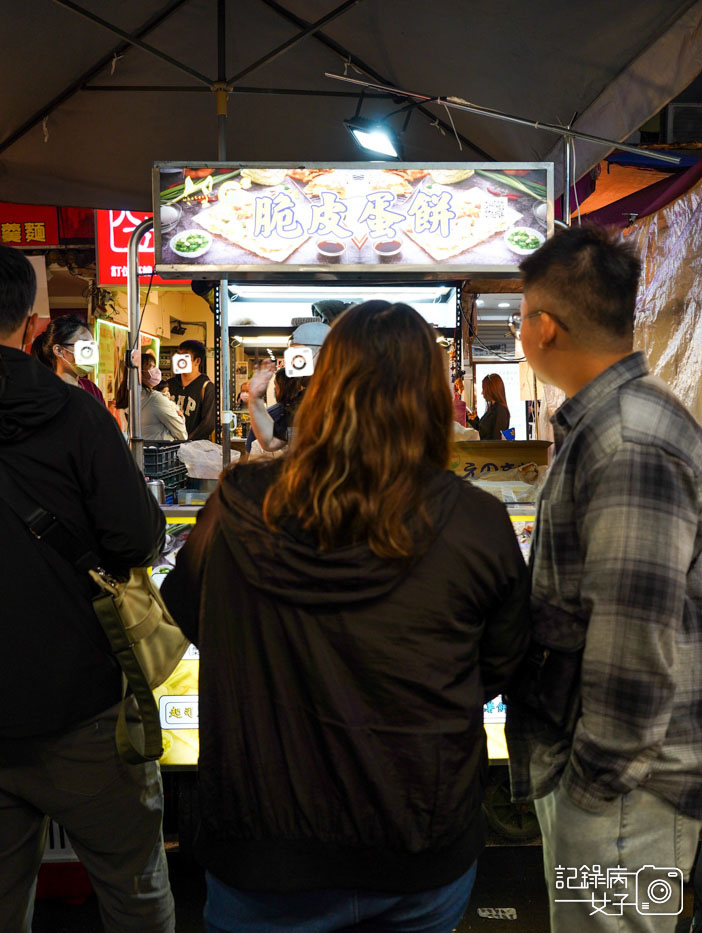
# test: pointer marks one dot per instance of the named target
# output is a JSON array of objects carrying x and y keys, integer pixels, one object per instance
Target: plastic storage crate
[
  {"x": 160, "y": 459},
  {"x": 173, "y": 480}
]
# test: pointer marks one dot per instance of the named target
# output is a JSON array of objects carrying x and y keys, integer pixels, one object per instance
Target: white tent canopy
[{"x": 85, "y": 113}]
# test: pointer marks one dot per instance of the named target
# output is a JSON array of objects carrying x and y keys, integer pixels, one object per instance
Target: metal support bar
[
  {"x": 136, "y": 441},
  {"x": 456, "y": 103},
  {"x": 226, "y": 373},
  {"x": 133, "y": 40},
  {"x": 565, "y": 203},
  {"x": 217, "y": 363},
  {"x": 77, "y": 85},
  {"x": 225, "y": 349},
  {"x": 196, "y": 89},
  {"x": 281, "y": 49}
]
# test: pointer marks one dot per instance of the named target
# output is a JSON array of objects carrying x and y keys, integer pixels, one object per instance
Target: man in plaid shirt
[{"x": 617, "y": 582}]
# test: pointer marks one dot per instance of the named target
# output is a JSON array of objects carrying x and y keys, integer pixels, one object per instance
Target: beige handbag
[{"x": 148, "y": 645}]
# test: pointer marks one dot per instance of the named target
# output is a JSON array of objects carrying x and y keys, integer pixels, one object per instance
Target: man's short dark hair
[
  {"x": 198, "y": 350},
  {"x": 18, "y": 289},
  {"x": 594, "y": 277}
]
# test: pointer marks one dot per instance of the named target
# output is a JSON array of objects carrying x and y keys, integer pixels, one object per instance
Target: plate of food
[
  {"x": 451, "y": 176},
  {"x": 523, "y": 240},
  {"x": 190, "y": 243},
  {"x": 267, "y": 177}
]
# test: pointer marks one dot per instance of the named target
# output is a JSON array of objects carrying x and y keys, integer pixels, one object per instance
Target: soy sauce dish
[
  {"x": 190, "y": 243},
  {"x": 330, "y": 249},
  {"x": 386, "y": 249}
]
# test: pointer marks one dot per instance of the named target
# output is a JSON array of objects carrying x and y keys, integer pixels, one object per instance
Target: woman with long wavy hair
[
  {"x": 354, "y": 605},
  {"x": 496, "y": 416}
]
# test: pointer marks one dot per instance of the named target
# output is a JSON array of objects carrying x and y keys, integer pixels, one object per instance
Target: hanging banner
[
  {"x": 113, "y": 230},
  {"x": 365, "y": 220},
  {"x": 28, "y": 225}
]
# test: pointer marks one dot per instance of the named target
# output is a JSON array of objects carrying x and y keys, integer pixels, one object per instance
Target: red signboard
[
  {"x": 28, "y": 225},
  {"x": 113, "y": 230}
]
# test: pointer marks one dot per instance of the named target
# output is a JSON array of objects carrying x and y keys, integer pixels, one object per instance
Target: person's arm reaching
[
  {"x": 261, "y": 421},
  {"x": 206, "y": 426}
]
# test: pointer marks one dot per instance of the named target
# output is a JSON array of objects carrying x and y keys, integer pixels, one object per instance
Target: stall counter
[{"x": 471, "y": 459}]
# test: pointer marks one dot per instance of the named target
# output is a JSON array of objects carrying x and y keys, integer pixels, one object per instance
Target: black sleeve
[
  {"x": 501, "y": 419},
  {"x": 182, "y": 587},
  {"x": 207, "y": 422},
  {"x": 281, "y": 420},
  {"x": 129, "y": 525},
  {"x": 250, "y": 438},
  {"x": 507, "y": 629},
  {"x": 486, "y": 425}
]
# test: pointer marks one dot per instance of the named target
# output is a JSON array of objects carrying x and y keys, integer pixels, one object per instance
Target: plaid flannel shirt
[{"x": 616, "y": 556}]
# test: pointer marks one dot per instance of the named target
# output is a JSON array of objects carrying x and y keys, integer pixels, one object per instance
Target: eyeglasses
[{"x": 515, "y": 321}]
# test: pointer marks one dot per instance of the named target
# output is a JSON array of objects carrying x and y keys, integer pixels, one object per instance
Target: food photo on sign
[{"x": 245, "y": 218}]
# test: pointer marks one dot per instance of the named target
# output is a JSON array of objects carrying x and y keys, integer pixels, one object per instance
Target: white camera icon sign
[
  {"x": 299, "y": 361},
  {"x": 85, "y": 353},
  {"x": 181, "y": 363},
  {"x": 659, "y": 891}
]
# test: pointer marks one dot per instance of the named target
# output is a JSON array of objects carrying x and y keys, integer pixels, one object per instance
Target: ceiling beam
[
  {"x": 351, "y": 59},
  {"x": 133, "y": 39},
  {"x": 95, "y": 69},
  {"x": 240, "y": 89},
  {"x": 309, "y": 30}
]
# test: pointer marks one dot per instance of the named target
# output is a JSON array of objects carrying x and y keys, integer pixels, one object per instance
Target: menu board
[{"x": 257, "y": 222}]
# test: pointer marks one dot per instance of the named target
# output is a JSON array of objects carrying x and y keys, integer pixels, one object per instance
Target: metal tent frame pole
[
  {"x": 136, "y": 441},
  {"x": 457, "y": 103},
  {"x": 222, "y": 98}
]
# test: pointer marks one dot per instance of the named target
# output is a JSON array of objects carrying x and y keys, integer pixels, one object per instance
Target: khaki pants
[{"x": 112, "y": 813}]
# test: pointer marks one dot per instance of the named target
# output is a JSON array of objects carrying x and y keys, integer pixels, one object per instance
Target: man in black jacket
[
  {"x": 61, "y": 686},
  {"x": 194, "y": 393}
]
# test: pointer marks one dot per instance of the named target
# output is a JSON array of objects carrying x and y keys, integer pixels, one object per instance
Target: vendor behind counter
[{"x": 497, "y": 415}]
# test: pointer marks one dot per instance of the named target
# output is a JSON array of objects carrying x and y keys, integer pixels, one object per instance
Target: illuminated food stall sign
[
  {"x": 28, "y": 225},
  {"x": 378, "y": 220},
  {"x": 113, "y": 230}
]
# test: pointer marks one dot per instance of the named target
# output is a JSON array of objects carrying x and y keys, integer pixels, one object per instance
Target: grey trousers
[
  {"x": 111, "y": 811},
  {"x": 618, "y": 871}
]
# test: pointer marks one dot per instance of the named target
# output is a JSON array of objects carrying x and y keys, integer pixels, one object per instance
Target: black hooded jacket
[
  {"x": 65, "y": 451},
  {"x": 341, "y": 694}
]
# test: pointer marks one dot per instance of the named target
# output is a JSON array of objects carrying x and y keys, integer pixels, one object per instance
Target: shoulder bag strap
[{"x": 45, "y": 526}]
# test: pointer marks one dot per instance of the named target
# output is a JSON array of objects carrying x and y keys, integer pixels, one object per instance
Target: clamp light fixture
[{"x": 373, "y": 135}]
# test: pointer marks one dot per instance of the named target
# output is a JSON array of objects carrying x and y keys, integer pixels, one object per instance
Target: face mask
[
  {"x": 79, "y": 371},
  {"x": 154, "y": 376}
]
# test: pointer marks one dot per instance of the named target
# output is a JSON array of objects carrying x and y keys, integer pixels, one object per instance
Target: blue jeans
[
  {"x": 436, "y": 911},
  {"x": 652, "y": 842}
]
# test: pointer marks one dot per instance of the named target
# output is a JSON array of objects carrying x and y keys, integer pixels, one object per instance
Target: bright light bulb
[{"x": 376, "y": 140}]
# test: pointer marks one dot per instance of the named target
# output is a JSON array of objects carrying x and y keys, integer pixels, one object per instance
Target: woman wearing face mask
[
  {"x": 55, "y": 348},
  {"x": 160, "y": 418}
]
